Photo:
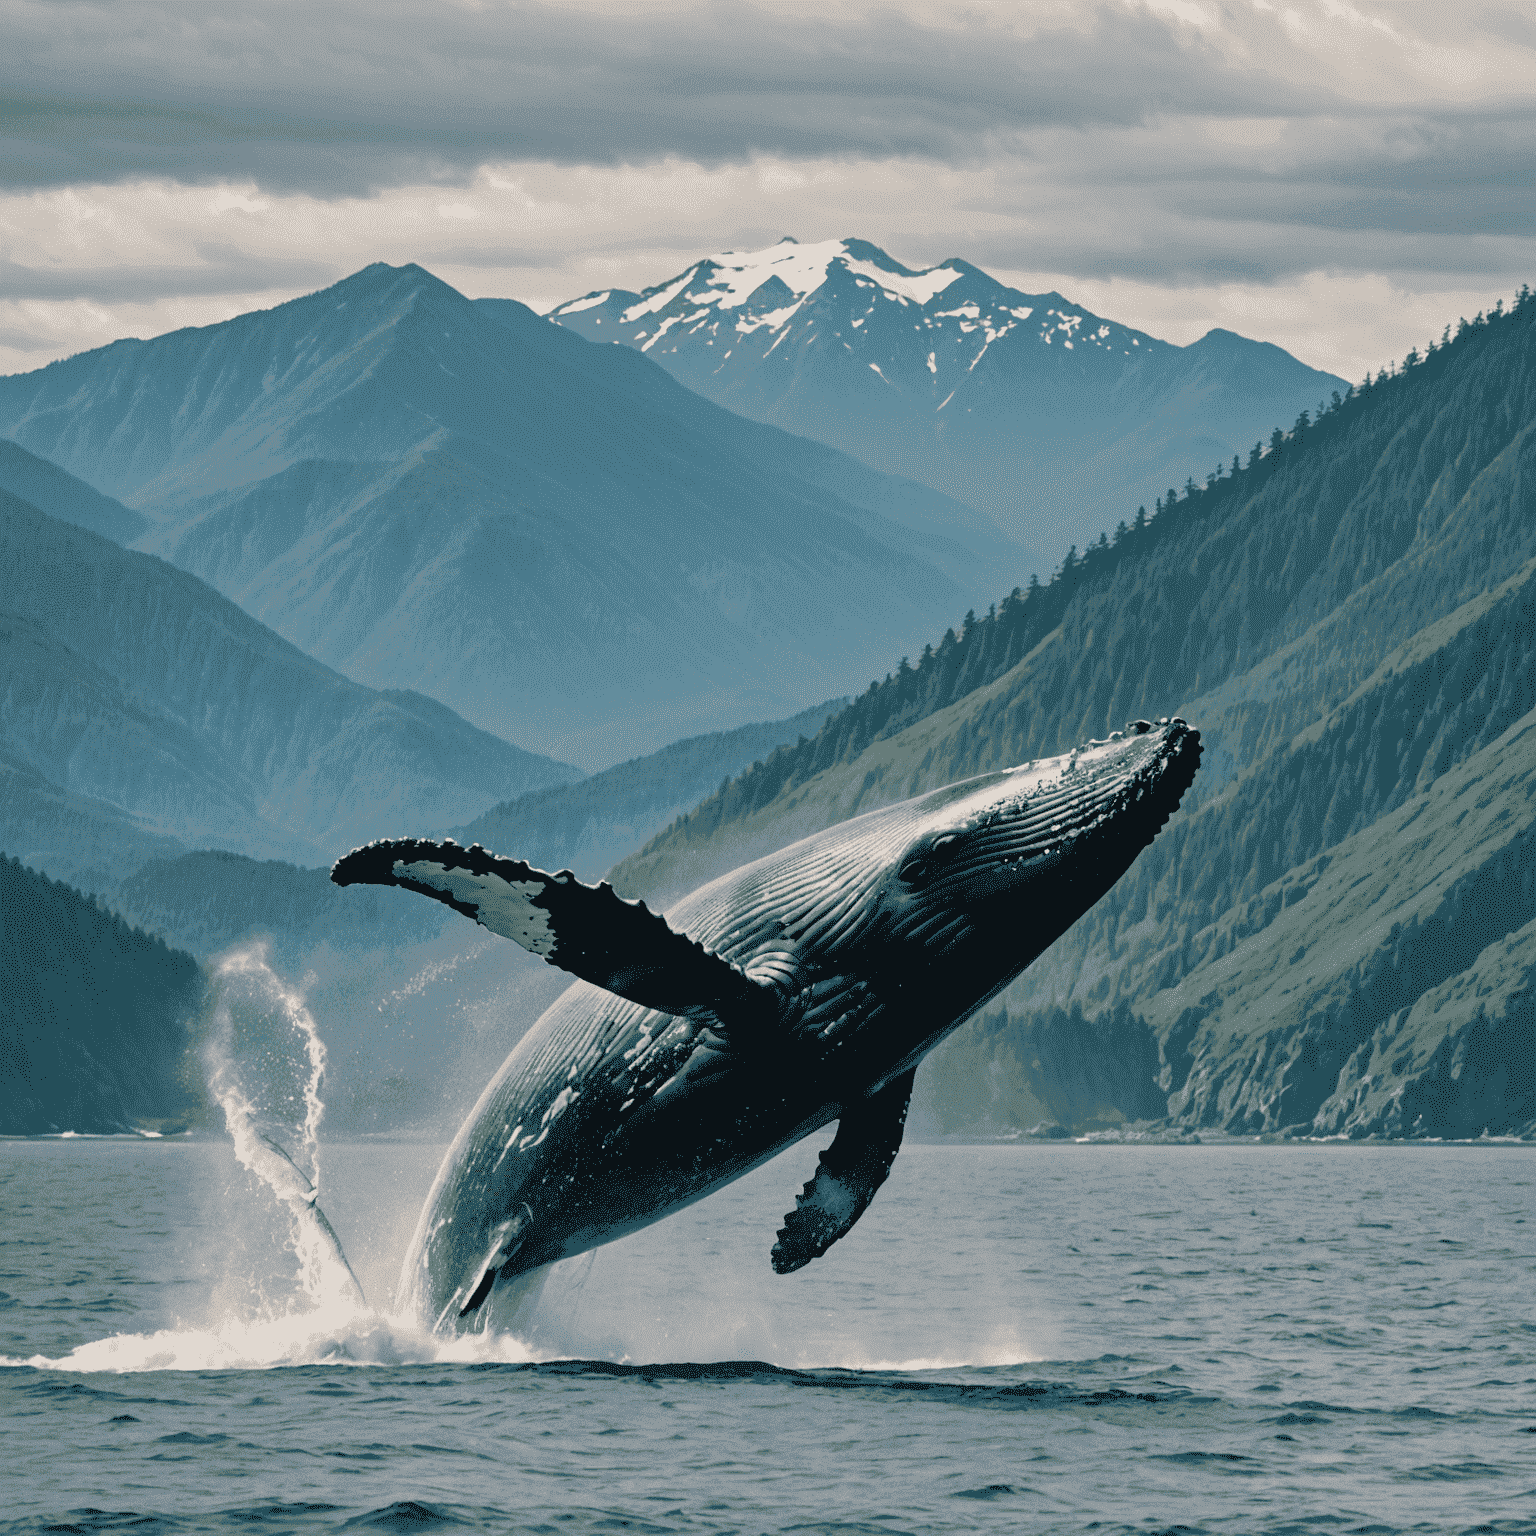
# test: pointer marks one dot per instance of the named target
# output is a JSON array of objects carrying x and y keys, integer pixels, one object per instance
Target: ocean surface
[{"x": 1039, "y": 1338}]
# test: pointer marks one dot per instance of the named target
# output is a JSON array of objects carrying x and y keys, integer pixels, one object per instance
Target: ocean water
[{"x": 1026, "y": 1338}]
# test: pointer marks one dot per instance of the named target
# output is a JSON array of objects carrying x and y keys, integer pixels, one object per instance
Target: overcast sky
[{"x": 1340, "y": 179}]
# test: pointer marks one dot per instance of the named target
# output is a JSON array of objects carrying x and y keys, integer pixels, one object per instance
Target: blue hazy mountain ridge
[
  {"x": 95, "y": 1015},
  {"x": 556, "y": 540},
  {"x": 206, "y": 900},
  {"x": 51, "y": 490},
  {"x": 142, "y": 712},
  {"x": 209, "y": 899},
  {"x": 1028, "y": 407},
  {"x": 1337, "y": 933},
  {"x": 588, "y": 825}
]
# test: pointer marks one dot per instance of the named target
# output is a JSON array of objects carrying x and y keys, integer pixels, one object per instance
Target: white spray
[
  {"x": 325, "y": 1319},
  {"x": 324, "y": 1273}
]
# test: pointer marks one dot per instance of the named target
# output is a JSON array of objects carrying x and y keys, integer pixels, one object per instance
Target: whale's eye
[{"x": 923, "y": 860}]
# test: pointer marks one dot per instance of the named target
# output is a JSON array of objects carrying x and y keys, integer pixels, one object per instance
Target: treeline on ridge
[{"x": 1324, "y": 458}]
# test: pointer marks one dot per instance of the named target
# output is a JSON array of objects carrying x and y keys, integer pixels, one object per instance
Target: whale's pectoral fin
[
  {"x": 850, "y": 1171},
  {"x": 589, "y": 930}
]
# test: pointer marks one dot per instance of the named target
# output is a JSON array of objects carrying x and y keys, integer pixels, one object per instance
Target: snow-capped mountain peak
[
  {"x": 916, "y": 329},
  {"x": 776, "y": 277},
  {"x": 1006, "y": 400}
]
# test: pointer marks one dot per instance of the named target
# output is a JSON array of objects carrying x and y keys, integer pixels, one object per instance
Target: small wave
[
  {"x": 982, "y": 1360},
  {"x": 988, "y": 1391},
  {"x": 405, "y": 1515},
  {"x": 1452, "y": 1472},
  {"x": 991, "y": 1491}
]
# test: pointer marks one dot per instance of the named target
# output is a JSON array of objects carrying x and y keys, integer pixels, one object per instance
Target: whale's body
[{"x": 797, "y": 990}]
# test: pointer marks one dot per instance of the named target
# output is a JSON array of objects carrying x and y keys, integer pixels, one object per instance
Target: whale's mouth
[{"x": 1107, "y": 804}]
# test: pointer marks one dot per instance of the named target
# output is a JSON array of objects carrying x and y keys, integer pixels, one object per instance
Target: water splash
[
  {"x": 433, "y": 972},
  {"x": 324, "y": 1274},
  {"x": 266, "y": 1068},
  {"x": 317, "y": 1337}
]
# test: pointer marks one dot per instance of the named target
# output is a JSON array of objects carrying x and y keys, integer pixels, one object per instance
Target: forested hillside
[
  {"x": 1348, "y": 616},
  {"x": 94, "y": 1015}
]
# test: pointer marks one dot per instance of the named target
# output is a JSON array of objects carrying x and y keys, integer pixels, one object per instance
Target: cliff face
[
  {"x": 95, "y": 1016},
  {"x": 1332, "y": 934}
]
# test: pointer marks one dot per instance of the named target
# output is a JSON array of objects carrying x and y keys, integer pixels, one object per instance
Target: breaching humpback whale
[{"x": 797, "y": 990}]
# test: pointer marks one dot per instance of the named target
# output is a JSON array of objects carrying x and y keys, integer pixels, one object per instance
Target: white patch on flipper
[
  {"x": 824, "y": 1212},
  {"x": 834, "y": 1202},
  {"x": 505, "y": 906}
]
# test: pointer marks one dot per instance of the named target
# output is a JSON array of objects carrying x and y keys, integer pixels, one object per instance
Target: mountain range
[
  {"x": 589, "y": 825},
  {"x": 206, "y": 900},
  {"x": 142, "y": 713},
  {"x": 555, "y": 540},
  {"x": 1336, "y": 934},
  {"x": 1052, "y": 420}
]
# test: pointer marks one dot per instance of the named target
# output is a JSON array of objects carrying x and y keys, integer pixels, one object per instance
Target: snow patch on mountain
[
  {"x": 731, "y": 279},
  {"x": 591, "y": 301},
  {"x": 919, "y": 287}
]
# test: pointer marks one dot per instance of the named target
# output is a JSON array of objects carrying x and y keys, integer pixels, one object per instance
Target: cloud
[
  {"x": 217, "y": 273},
  {"x": 161, "y": 162},
  {"x": 346, "y": 97}
]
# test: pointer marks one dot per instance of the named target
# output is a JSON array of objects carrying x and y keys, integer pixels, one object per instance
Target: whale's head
[{"x": 978, "y": 878}]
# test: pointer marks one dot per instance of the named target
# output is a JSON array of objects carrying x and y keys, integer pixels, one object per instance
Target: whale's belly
[{"x": 605, "y": 1117}]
